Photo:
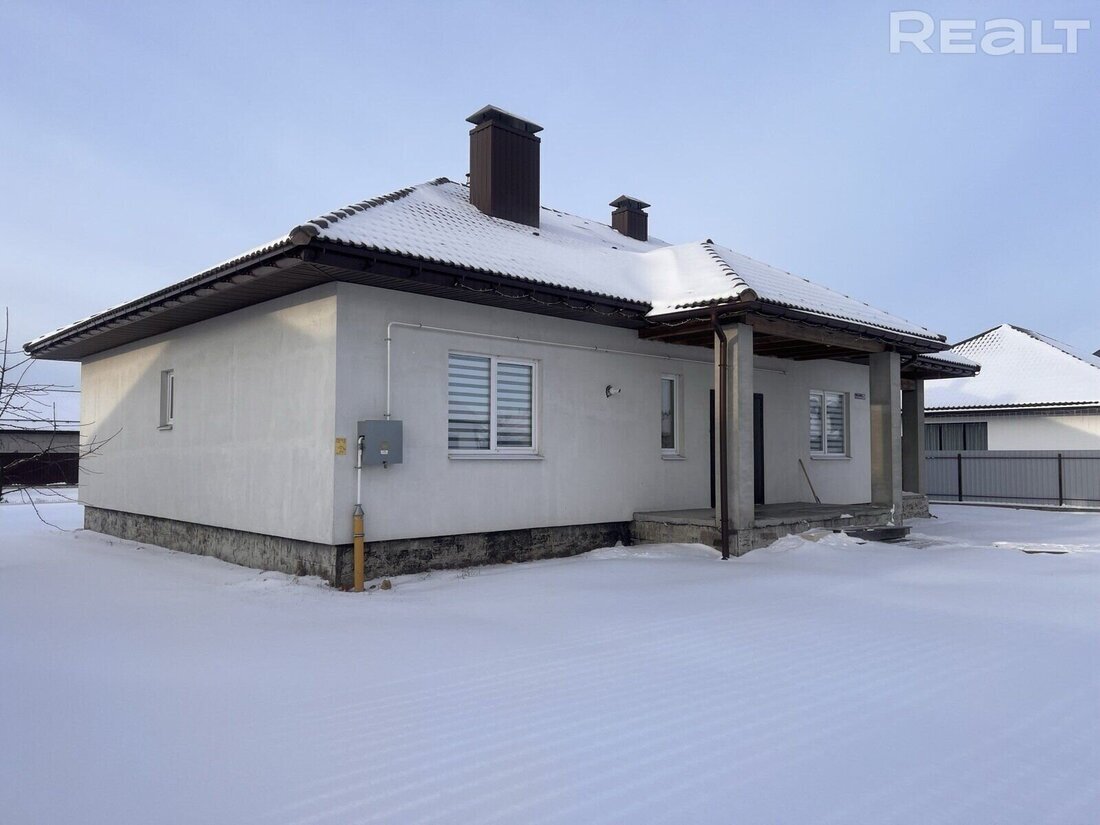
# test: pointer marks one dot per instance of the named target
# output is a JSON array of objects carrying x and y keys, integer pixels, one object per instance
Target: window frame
[
  {"x": 938, "y": 427},
  {"x": 677, "y": 414},
  {"x": 167, "y": 399},
  {"x": 493, "y": 449},
  {"x": 846, "y": 409}
]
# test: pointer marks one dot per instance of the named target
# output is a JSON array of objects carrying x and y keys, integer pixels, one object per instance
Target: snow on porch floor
[
  {"x": 950, "y": 680},
  {"x": 770, "y": 515}
]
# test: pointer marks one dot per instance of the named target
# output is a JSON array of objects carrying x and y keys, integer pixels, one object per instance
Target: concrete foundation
[
  {"x": 392, "y": 558},
  {"x": 334, "y": 562},
  {"x": 298, "y": 558}
]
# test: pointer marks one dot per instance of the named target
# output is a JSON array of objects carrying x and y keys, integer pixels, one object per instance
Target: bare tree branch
[{"x": 31, "y": 437}]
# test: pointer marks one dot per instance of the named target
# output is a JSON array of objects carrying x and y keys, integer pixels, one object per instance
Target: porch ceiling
[
  {"x": 776, "y": 338},
  {"x": 802, "y": 339}
]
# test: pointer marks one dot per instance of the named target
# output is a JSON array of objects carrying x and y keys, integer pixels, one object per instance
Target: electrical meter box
[{"x": 381, "y": 442}]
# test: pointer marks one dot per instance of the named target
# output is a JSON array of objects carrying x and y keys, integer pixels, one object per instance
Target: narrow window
[
  {"x": 490, "y": 404},
  {"x": 670, "y": 424},
  {"x": 167, "y": 398},
  {"x": 828, "y": 423}
]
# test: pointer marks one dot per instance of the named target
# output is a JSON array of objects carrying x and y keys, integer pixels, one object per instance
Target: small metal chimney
[
  {"x": 504, "y": 165},
  {"x": 630, "y": 218}
]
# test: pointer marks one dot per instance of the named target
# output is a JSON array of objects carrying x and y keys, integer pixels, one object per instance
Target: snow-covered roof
[
  {"x": 435, "y": 221},
  {"x": 1018, "y": 368},
  {"x": 951, "y": 358}
]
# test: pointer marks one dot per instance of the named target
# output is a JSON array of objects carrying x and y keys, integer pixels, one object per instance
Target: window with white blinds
[
  {"x": 515, "y": 402},
  {"x": 828, "y": 423},
  {"x": 490, "y": 404}
]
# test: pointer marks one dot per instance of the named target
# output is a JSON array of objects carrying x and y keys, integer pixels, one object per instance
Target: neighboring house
[
  {"x": 33, "y": 455},
  {"x": 1033, "y": 393},
  {"x": 554, "y": 375}
]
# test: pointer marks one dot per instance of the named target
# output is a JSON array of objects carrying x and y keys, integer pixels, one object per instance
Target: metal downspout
[{"x": 723, "y": 436}]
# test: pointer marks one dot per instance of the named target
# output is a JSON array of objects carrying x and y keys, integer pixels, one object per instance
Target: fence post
[
  {"x": 960, "y": 469},
  {"x": 1061, "y": 482}
]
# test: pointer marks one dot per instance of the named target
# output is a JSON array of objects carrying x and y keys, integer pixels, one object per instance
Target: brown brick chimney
[
  {"x": 630, "y": 218},
  {"x": 504, "y": 165}
]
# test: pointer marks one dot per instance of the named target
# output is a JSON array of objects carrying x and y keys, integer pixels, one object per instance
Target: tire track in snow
[{"x": 654, "y": 712}]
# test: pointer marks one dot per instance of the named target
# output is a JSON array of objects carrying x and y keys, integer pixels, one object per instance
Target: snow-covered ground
[{"x": 956, "y": 679}]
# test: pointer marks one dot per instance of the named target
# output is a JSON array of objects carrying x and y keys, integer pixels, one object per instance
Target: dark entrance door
[{"x": 757, "y": 448}]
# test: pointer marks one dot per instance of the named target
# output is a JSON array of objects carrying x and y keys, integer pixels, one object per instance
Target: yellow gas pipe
[{"x": 357, "y": 522}]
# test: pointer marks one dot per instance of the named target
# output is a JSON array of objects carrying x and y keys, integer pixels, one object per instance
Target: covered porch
[
  {"x": 880, "y": 390},
  {"x": 770, "y": 522}
]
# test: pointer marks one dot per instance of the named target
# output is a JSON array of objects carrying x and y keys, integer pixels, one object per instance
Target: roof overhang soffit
[{"x": 786, "y": 333}]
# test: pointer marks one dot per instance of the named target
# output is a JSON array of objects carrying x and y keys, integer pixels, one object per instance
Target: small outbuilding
[{"x": 33, "y": 455}]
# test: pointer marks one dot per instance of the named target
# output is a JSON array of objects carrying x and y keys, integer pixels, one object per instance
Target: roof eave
[
  {"x": 49, "y": 346},
  {"x": 1038, "y": 406},
  {"x": 302, "y": 246}
]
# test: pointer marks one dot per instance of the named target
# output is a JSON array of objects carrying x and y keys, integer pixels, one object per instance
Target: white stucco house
[
  {"x": 561, "y": 383},
  {"x": 1033, "y": 393}
]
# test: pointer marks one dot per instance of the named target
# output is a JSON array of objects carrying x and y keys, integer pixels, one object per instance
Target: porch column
[
  {"x": 739, "y": 453},
  {"x": 912, "y": 437},
  {"x": 885, "y": 369}
]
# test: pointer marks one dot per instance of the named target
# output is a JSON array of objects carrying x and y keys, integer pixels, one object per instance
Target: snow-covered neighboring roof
[
  {"x": 1018, "y": 368},
  {"x": 435, "y": 221},
  {"x": 951, "y": 358}
]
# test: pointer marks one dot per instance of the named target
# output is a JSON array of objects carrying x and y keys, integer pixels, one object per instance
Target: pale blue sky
[{"x": 143, "y": 142}]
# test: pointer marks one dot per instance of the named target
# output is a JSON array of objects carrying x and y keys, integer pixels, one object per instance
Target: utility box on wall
[{"x": 381, "y": 442}]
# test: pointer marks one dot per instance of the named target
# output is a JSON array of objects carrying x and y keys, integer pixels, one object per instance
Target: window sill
[
  {"x": 488, "y": 456},
  {"x": 830, "y": 458},
  {"x": 673, "y": 457}
]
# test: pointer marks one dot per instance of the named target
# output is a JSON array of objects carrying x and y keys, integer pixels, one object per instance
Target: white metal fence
[{"x": 1069, "y": 478}]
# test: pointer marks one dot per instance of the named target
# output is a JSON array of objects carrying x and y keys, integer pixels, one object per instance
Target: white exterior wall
[
  {"x": 600, "y": 457},
  {"x": 252, "y": 443},
  {"x": 262, "y": 393},
  {"x": 786, "y": 388},
  {"x": 1034, "y": 432}
]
